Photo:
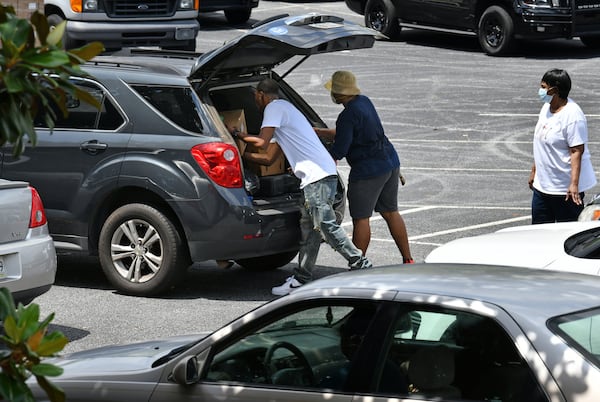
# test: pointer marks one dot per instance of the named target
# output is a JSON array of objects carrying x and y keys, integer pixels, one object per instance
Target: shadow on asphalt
[{"x": 202, "y": 280}]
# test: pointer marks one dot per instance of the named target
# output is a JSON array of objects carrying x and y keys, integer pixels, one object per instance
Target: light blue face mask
[{"x": 543, "y": 94}]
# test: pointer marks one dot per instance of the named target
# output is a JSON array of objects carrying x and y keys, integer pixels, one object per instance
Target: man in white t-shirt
[
  {"x": 562, "y": 169},
  {"x": 313, "y": 165}
]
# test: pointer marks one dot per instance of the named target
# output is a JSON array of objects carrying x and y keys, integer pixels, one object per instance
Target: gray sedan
[
  {"x": 426, "y": 332},
  {"x": 27, "y": 255}
]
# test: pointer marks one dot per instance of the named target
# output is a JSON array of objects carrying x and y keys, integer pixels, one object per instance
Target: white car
[
  {"x": 565, "y": 246},
  {"x": 27, "y": 255}
]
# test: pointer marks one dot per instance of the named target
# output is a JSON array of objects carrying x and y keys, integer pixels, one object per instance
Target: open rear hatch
[{"x": 274, "y": 41}]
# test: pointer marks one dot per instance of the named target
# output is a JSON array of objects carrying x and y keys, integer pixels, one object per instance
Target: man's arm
[{"x": 262, "y": 140}]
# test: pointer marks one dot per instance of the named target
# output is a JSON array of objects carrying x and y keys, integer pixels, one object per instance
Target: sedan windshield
[{"x": 581, "y": 330}]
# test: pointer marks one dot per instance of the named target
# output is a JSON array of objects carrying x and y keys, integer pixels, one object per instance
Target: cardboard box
[
  {"x": 24, "y": 8},
  {"x": 277, "y": 167},
  {"x": 237, "y": 119}
]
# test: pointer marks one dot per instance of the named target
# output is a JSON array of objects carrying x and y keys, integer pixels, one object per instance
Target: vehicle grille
[
  {"x": 139, "y": 8},
  {"x": 581, "y": 5}
]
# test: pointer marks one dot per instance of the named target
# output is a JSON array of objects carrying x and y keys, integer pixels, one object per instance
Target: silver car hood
[{"x": 111, "y": 360}]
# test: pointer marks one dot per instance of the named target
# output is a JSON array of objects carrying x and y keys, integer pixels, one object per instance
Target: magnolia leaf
[
  {"x": 46, "y": 369},
  {"x": 7, "y": 303},
  {"x": 89, "y": 51},
  {"x": 54, "y": 393},
  {"x": 87, "y": 97},
  {"x": 13, "y": 83},
  {"x": 56, "y": 34},
  {"x": 33, "y": 342},
  {"x": 39, "y": 21},
  {"x": 50, "y": 59},
  {"x": 11, "y": 330},
  {"x": 51, "y": 344}
]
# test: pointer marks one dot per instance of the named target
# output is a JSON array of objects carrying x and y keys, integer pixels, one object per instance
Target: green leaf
[
  {"x": 50, "y": 59},
  {"x": 89, "y": 51},
  {"x": 46, "y": 369},
  {"x": 55, "y": 393},
  {"x": 52, "y": 344},
  {"x": 11, "y": 330},
  {"x": 7, "y": 303},
  {"x": 56, "y": 35}
]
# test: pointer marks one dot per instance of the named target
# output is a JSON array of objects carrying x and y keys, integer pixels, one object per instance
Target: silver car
[
  {"x": 27, "y": 256},
  {"x": 426, "y": 332}
]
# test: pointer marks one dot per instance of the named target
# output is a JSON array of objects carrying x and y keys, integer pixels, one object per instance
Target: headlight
[
  {"x": 186, "y": 4},
  {"x": 546, "y": 3},
  {"x": 90, "y": 5}
]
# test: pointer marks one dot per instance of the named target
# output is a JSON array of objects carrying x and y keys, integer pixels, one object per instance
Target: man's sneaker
[
  {"x": 361, "y": 263},
  {"x": 290, "y": 284}
]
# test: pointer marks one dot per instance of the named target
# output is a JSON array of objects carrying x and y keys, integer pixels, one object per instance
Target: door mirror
[{"x": 186, "y": 372}]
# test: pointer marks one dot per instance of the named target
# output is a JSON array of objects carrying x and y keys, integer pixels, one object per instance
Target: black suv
[
  {"x": 153, "y": 180},
  {"x": 496, "y": 23}
]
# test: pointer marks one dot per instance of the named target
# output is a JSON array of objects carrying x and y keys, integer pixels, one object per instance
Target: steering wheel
[{"x": 271, "y": 369}]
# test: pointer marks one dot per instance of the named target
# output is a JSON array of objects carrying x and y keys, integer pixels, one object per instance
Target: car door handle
[{"x": 93, "y": 146}]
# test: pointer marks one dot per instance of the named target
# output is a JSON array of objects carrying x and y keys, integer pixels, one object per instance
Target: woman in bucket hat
[{"x": 374, "y": 164}]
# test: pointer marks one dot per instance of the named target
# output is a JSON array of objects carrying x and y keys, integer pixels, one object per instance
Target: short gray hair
[{"x": 269, "y": 86}]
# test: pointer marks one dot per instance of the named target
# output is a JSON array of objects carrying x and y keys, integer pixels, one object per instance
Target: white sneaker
[{"x": 290, "y": 284}]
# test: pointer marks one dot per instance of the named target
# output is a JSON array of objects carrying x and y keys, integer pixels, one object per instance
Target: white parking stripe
[{"x": 465, "y": 228}]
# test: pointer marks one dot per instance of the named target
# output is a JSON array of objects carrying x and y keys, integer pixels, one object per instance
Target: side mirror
[{"x": 186, "y": 372}]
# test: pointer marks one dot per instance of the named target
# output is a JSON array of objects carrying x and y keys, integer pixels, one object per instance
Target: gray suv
[{"x": 153, "y": 181}]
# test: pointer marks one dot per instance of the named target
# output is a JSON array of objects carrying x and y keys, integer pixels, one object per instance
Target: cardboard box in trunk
[{"x": 237, "y": 119}]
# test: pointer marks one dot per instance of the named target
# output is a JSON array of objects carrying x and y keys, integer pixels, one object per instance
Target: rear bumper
[
  {"x": 236, "y": 232},
  {"x": 29, "y": 266}
]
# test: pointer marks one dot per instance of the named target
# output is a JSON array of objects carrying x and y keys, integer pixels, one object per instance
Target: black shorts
[{"x": 379, "y": 194}]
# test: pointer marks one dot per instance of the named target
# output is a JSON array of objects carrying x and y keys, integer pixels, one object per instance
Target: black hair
[
  {"x": 560, "y": 79},
  {"x": 269, "y": 86}
]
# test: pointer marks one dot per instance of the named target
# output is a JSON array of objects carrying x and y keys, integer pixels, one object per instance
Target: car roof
[
  {"x": 521, "y": 291},
  {"x": 141, "y": 66}
]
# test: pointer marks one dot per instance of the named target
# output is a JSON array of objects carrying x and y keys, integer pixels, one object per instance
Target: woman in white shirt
[{"x": 562, "y": 169}]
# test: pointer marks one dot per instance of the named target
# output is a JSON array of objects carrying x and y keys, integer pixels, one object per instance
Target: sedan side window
[
  {"x": 309, "y": 348},
  {"x": 457, "y": 355}
]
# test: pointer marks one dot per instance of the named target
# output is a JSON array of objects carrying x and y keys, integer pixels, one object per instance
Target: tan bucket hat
[{"x": 342, "y": 83}]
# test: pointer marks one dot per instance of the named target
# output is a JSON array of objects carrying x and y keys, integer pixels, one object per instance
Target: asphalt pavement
[{"x": 462, "y": 123}]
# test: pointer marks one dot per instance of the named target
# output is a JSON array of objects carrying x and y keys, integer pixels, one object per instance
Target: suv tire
[
  {"x": 268, "y": 262},
  {"x": 238, "y": 16},
  {"x": 141, "y": 251},
  {"x": 495, "y": 31},
  {"x": 381, "y": 15}
]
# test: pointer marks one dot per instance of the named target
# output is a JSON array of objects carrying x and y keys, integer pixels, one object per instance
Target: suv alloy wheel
[{"x": 141, "y": 250}]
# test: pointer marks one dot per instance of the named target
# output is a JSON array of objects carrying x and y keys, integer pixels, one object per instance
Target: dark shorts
[{"x": 378, "y": 194}]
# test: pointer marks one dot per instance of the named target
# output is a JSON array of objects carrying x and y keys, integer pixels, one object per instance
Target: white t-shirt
[
  {"x": 303, "y": 149},
  {"x": 554, "y": 134}
]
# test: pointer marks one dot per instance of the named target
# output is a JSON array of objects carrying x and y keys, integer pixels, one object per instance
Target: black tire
[
  {"x": 381, "y": 16},
  {"x": 141, "y": 252},
  {"x": 238, "y": 16},
  {"x": 53, "y": 21},
  {"x": 267, "y": 262},
  {"x": 591, "y": 41},
  {"x": 496, "y": 31}
]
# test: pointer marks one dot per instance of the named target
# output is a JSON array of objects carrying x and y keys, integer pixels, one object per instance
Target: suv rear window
[{"x": 178, "y": 104}]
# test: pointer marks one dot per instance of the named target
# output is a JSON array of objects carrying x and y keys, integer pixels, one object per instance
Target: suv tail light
[
  {"x": 221, "y": 163},
  {"x": 38, "y": 215}
]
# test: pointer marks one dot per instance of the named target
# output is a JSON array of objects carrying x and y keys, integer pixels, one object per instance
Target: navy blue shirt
[{"x": 359, "y": 138}]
